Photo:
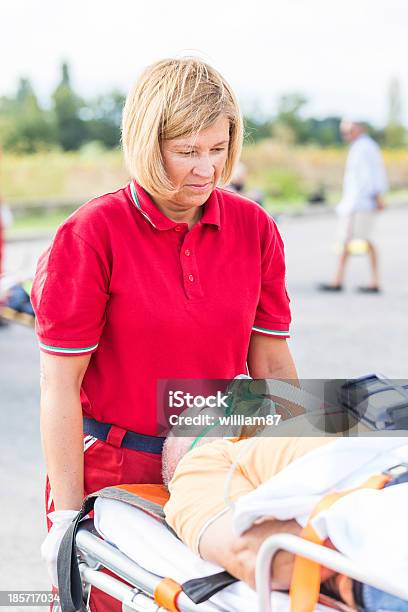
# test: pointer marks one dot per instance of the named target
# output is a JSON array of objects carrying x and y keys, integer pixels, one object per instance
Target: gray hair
[{"x": 174, "y": 449}]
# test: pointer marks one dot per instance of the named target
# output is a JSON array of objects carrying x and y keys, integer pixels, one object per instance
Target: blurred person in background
[
  {"x": 238, "y": 179},
  {"x": 238, "y": 185},
  {"x": 364, "y": 185}
]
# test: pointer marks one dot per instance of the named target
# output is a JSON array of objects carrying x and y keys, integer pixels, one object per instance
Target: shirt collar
[
  {"x": 211, "y": 214},
  {"x": 149, "y": 210}
]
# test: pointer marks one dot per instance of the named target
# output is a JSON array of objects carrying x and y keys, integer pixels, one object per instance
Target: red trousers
[{"x": 107, "y": 464}]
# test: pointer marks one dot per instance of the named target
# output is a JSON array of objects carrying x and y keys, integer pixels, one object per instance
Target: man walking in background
[{"x": 364, "y": 185}]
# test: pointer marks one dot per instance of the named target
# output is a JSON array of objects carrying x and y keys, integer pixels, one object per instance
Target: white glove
[{"x": 61, "y": 520}]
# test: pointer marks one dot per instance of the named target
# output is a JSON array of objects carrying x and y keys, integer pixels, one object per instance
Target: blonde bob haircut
[{"x": 171, "y": 99}]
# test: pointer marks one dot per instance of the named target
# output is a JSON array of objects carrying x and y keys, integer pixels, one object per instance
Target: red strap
[{"x": 115, "y": 436}]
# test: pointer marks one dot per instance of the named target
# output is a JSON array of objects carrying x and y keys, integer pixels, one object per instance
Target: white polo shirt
[{"x": 364, "y": 177}]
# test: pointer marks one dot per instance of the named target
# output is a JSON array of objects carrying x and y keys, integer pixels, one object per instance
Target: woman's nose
[{"x": 203, "y": 167}]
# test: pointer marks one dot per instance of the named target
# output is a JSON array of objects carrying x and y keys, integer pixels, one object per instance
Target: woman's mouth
[{"x": 199, "y": 187}]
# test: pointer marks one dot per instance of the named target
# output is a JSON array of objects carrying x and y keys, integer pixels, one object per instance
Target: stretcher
[
  {"x": 153, "y": 570},
  {"x": 157, "y": 555}
]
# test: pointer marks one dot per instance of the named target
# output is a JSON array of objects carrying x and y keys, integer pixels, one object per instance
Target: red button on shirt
[{"x": 112, "y": 284}]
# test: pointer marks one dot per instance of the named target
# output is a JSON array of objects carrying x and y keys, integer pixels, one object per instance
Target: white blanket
[
  {"x": 368, "y": 526},
  {"x": 153, "y": 547},
  {"x": 344, "y": 464}
]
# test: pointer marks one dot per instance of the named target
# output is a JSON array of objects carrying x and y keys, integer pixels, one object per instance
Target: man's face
[
  {"x": 194, "y": 163},
  {"x": 350, "y": 131}
]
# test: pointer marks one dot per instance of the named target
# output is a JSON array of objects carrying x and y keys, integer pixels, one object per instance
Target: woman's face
[{"x": 194, "y": 163}]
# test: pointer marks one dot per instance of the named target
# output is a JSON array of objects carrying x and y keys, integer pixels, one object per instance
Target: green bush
[{"x": 282, "y": 184}]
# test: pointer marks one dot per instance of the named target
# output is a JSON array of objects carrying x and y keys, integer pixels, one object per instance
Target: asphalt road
[{"x": 333, "y": 336}]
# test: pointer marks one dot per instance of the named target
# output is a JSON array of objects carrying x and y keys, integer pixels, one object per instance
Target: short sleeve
[
  {"x": 69, "y": 295},
  {"x": 272, "y": 316}
]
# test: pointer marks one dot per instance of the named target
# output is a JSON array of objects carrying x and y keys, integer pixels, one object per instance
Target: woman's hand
[{"x": 61, "y": 520}]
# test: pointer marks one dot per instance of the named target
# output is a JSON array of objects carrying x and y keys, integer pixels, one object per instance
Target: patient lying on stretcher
[{"x": 203, "y": 484}]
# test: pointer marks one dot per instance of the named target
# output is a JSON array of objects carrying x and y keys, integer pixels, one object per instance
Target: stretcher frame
[{"x": 96, "y": 553}]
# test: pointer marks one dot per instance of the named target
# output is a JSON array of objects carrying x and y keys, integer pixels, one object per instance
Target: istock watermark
[
  {"x": 179, "y": 399},
  {"x": 243, "y": 406},
  {"x": 22, "y": 599}
]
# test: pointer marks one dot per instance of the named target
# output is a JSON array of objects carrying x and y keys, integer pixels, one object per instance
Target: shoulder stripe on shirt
[
  {"x": 271, "y": 332},
  {"x": 59, "y": 349}
]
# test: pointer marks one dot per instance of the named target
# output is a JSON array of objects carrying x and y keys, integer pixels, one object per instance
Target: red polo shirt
[{"x": 152, "y": 300}]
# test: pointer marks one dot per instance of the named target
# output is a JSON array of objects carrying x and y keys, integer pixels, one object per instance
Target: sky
[{"x": 341, "y": 54}]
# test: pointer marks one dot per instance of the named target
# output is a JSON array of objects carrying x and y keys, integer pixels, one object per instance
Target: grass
[
  {"x": 37, "y": 223},
  {"x": 285, "y": 175},
  {"x": 76, "y": 176},
  {"x": 32, "y": 223}
]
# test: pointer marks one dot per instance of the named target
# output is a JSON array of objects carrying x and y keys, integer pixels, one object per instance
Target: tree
[
  {"x": 394, "y": 133},
  {"x": 71, "y": 129},
  {"x": 324, "y": 132},
  {"x": 257, "y": 129},
  {"x": 25, "y": 92},
  {"x": 105, "y": 115},
  {"x": 24, "y": 126},
  {"x": 289, "y": 126}
]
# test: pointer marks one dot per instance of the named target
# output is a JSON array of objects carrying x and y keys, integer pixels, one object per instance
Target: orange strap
[
  {"x": 305, "y": 585},
  {"x": 166, "y": 594},
  {"x": 155, "y": 493}
]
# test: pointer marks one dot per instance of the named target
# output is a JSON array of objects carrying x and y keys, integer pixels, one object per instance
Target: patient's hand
[{"x": 237, "y": 554}]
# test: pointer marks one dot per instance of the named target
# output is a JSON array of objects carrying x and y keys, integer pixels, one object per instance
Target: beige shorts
[
  {"x": 358, "y": 226},
  {"x": 209, "y": 478}
]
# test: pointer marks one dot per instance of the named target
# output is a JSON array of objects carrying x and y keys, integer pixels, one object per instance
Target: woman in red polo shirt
[{"x": 168, "y": 277}]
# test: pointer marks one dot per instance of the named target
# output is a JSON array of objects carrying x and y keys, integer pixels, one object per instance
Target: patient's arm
[{"x": 237, "y": 554}]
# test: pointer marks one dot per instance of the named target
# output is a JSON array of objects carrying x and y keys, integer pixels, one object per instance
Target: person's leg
[
  {"x": 98, "y": 601},
  {"x": 341, "y": 266},
  {"x": 337, "y": 284},
  {"x": 373, "y": 262},
  {"x": 374, "y": 600},
  {"x": 106, "y": 465},
  {"x": 346, "y": 231},
  {"x": 362, "y": 597},
  {"x": 364, "y": 227},
  {"x": 345, "y": 228}
]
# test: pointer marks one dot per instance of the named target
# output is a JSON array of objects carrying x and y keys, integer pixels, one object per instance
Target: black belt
[{"x": 131, "y": 439}]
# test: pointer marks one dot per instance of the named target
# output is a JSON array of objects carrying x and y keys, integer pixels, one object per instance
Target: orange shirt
[{"x": 199, "y": 490}]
